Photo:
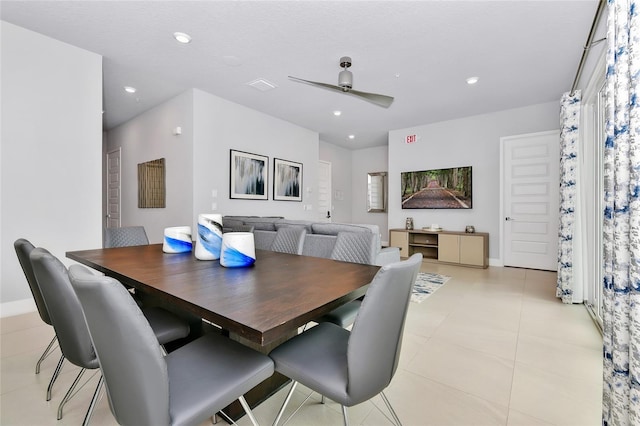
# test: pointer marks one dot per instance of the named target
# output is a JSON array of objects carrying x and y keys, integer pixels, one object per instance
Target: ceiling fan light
[{"x": 345, "y": 79}]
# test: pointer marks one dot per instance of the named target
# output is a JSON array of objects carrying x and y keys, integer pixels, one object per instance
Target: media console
[{"x": 455, "y": 248}]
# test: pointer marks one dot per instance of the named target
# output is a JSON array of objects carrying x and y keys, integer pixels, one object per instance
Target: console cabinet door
[
  {"x": 472, "y": 250},
  {"x": 400, "y": 239},
  {"x": 448, "y": 248}
]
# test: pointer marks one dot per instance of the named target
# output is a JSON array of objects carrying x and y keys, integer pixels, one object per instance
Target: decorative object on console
[
  {"x": 238, "y": 250},
  {"x": 177, "y": 239},
  {"x": 287, "y": 180},
  {"x": 248, "y": 178},
  {"x": 408, "y": 225},
  {"x": 437, "y": 189},
  {"x": 470, "y": 229},
  {"x": 209, "y": 239}
]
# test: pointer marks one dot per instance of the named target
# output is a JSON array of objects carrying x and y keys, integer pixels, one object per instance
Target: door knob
[{"x": 508, "y": 218}]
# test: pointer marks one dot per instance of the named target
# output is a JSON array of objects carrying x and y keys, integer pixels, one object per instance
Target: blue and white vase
[
  {"x": 238, "y": 250},
  {"x": 177, "y": 239},
  {"x": 209, "y": 239}
]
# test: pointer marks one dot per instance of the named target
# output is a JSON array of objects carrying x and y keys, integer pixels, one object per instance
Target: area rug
[{"x": 426, "y": 284}]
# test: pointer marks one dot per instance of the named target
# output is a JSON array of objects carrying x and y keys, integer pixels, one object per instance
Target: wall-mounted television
[{"x": 437, "y": 189}]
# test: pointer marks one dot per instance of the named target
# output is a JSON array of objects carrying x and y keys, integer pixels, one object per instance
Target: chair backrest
[
  {"x": 125, "y": 236},
  {"x": 289, "y": 239},
  {"x": 64, "y": 308},
  {"x": 376, "y": 337},
  {"x": 23, "y": 250},
  {"x": 134, "y": 369},
  {"x": 355, "y": 247}
]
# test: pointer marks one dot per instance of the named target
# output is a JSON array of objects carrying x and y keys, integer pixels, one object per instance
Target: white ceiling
[{"x": 420, "y": 52}]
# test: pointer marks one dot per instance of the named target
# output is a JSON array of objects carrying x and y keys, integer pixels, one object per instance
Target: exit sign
[{"x": 410, "y": 138}]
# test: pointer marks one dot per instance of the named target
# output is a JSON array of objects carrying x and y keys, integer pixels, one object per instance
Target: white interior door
[
  {"x": 530, "y": 168},
  {"x": 324, "y": 191},
  {"x": 113, "y": 189}
]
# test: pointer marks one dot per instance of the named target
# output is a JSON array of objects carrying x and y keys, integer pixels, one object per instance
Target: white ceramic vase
[
  {"x": 209, "y": 239},
  {"x": 177, "y": 239},
  {"x": 238, "y": 250}
]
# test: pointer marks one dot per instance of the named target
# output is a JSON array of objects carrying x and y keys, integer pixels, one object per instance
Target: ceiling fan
[{"x": 345, "y": 82}]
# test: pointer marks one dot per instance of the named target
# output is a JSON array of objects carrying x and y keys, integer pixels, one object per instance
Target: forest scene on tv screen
[{"x": 437, "y": 189}]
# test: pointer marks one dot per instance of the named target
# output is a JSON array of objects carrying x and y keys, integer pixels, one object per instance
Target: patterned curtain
[
  {"x": 569, "y": 120},
  {"x": 621, "y": 304}
]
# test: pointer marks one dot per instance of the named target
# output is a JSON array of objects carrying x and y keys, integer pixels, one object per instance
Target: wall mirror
[
  {"x": 377, "y": 192},
  {"x": 151, "y": 184}
]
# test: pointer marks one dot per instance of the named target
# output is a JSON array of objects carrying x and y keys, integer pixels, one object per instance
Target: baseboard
[
  {"x": 17, "y": 307},
  {"x": 495, "y": 262}
]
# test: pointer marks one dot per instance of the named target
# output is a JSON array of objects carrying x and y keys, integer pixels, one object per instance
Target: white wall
[
  {"x": 471, "y": 141},
  {"x": 147, "y": 137},
  {"x": 197, "y": 162},
  {"x": 367, "y": 161},
  {"x": 340, "y": 159},
  {"x": 51, "y": 152},
  {"x": 220, "y": 126}
]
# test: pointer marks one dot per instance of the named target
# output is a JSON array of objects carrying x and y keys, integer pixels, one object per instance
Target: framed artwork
[
  {"x": 287, "y": 180},
  {"x": 248, "y": 178}
]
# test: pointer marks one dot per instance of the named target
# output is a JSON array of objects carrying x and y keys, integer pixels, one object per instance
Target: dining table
[{"x": 261, "y": 306}]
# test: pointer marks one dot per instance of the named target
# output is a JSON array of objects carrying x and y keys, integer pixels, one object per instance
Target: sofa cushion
[
  {"x": 306, "y": 224},
  {"x": 334, "y": 228},
  {"x": 262, "y": 223},
  {"x": 231, "y": 223}
]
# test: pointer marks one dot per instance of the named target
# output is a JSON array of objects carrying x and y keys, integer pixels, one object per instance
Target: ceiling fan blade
[
  {"x": 380, "y": 100},
  {"x": 317, "y": 83}
]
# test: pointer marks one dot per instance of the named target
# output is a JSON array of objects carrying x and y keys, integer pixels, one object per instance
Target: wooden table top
[{"x": 262, "y": 303}]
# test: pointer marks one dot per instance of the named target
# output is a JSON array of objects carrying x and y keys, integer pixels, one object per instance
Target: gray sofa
[{"x": 320, "y": 237}]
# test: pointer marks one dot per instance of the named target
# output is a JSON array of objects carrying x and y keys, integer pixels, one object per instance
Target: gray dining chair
[
  {"x": 125, "y": 236},
  {"x": 144, "y": 388},
  {"x": 289, "y": 239},
  {"x": 73, "y": 336},
  {"x": 23, "y": 249},
  {"x": 354, "y": 247},
  {"x": 352, "y": 367}
]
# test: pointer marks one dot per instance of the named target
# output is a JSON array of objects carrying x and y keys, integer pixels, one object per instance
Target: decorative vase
[
  {"x": 238, "y": 250},
  {"x": 209, "y": 236},
  {"x": 177, "y": 239}
]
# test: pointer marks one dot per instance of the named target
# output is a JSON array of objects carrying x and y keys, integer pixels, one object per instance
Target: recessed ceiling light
[
  {"x": 472, "y": 80},
  {"x": 182, "y": 37},
  {"x": 130, "y": 89},
  {"x": 337, "y": 113},
  {"x": 352, "y": 136}
]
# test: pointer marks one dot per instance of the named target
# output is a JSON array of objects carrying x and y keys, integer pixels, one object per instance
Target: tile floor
[{"x": 491, "y": 347}]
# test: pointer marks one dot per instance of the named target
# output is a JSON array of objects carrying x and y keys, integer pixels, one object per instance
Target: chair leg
[
  {"x": 247, "y": 410},
  {"x": 45, "y": 354},
  {"x": 54, "y": 377},
  {"x": 94, "y": 402},
  {"x": 284, "y": 404},
  {"x": 391, "y": 410},
  {"x": 69, "y": 393},
  {"x": 344, "y": 416}
]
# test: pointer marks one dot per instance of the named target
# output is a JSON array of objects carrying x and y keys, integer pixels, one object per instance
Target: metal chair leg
[
  {"x": 247, "y": 410},
  {"x": 284, "y": 404},
  {"x": 94, "y": 402},
  {"x": 45, "y": 354},
  {"x": 391, "y": 410},
  {"x": 69, "y": 393},
  {"x": 54, "y": 377},
  {"x": 344, "y": 416}
]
